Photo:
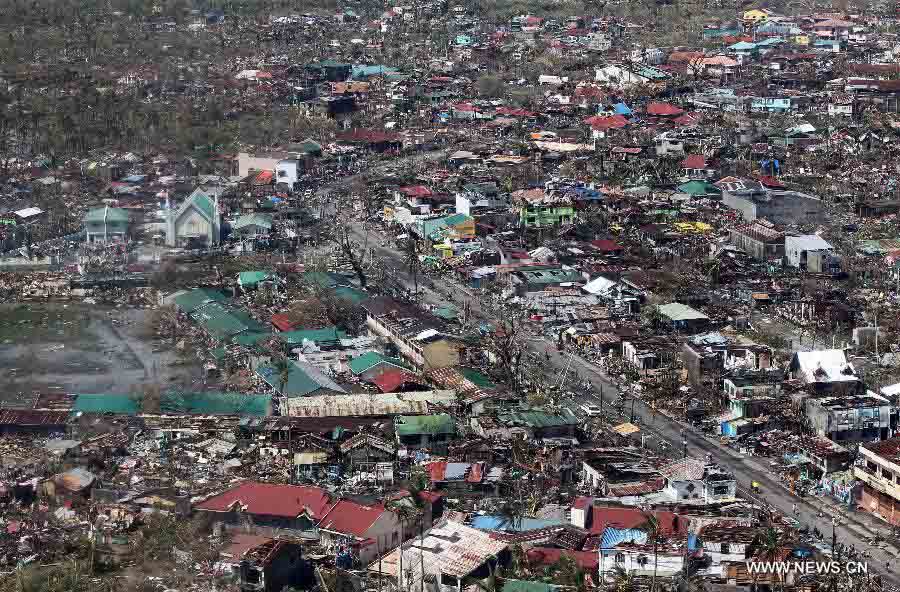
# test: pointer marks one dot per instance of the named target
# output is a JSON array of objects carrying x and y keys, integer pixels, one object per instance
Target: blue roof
[
  {"x": 622, "y": 109},
  {"x": 742, "y": 45},
  {"x": 614, "y": 536},
  {"x": 502, "y": 523}
]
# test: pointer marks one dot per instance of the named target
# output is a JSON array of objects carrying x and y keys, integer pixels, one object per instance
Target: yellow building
[
  {"x": 757, "y": 15},
  {"x": 802, "y": 39}
]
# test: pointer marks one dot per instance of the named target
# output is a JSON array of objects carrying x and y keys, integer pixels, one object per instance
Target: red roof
[
  {"x": 582, "y": 503},
  {"x": 625, "y": 518},
  {"x": 694, "y": 161},
  {"x": 663, "y": 109},
  {"x": 769, "y": 181},
  {"x": 437, "y": 470},
  {"x": 686, "y": 119},
  {"x": 270, "y": 499},
  {"x": 241, "y": 542},
  {"x": 476, "y": 473},
  {"x": 348, "y": 517},
  {"x": 416, "y": 191},
  {"x": 511, "y": 112},
  {"x": 587, "y": 560},
  {"x": 604, "y": 123},
  {"x": 391, "y": 380},
  {"x": 282, "y": 323},
  {"x": 606, "y": 245},
  {"x": 264, "y": 177}
]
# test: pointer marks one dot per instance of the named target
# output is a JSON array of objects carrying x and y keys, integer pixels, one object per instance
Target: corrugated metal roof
[
  {"x": 615, "y": 536},
  {"x": 677, "y": 311},
  {"x": 369, "y": 405}
]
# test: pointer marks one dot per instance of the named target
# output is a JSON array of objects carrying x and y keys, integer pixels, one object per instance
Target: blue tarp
[
  {"x": 615, "y": 536},
  {"x": 622, "y": 109},
  {"x": 501, "y": 523}
]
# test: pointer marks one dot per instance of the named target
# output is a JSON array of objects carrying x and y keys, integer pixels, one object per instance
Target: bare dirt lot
[{"x": 78, "y": 348}]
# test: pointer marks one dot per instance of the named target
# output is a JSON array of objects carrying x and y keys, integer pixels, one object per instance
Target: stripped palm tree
[{"x": 654, "y": 535}]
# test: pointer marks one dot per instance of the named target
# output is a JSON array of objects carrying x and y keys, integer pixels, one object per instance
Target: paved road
[{"x": 852, "y": 529}]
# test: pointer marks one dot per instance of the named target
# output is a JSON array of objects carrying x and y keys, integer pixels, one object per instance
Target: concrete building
[
  {"x": 690, "y": 479},
  {"x": 854, "y": 418},
  {"x": 681, "y": 317},
  {"x": 779, "y": 207},
  {"x": 811, "y": 253},
  {"x": 878, "y": 468},
  {"x": 759, "y": 239},
  {"x": 106, "y": 224},
  {"x": 416, "y": 335},
  {"x": 197, "y": 222}
]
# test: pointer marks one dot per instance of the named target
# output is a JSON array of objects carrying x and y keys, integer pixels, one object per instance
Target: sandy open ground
[{"x": 79, "y": 348}]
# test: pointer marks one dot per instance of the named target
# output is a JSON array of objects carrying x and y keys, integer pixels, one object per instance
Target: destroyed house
[
  {"x": 878, "y": 468},
  {"x": 263, "y": 564},
  {"x": 417, "y": 335},
  {"x": 463, "y": 478},
  {"x": 779, "y": 207},
  {"x": 425, "y": 431},
  {"x": 712, "y": 354},
  {"x": 759, "y": 239},
  {"x": 851, "y": 418},
  {"x": 650, "y": 353},
  {"x": 825, "y": 371},
  {"x": 542, "y": 425},
  {"x": 33, "y": 422},
  {"x": 682, "y": 318},
  {"x": 301, "y": 380},
  {"x": 618, "y": 472},
  {"x": 445, "y": 556},
  {"x": 291, "y": 507},
  {"x": 691, "y": 479},
  {"x": 822, "y": 455}
]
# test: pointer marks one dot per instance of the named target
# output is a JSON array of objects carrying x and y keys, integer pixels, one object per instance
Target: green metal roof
[
  {"x": 251, "y": 278},
  {"x": 304, "y": 379},
  {"x": 117, "y": 403},
  {"x": 371, "y": 359},
  {"x": 215, "y": 403},
  {"x": 174, "y": 402},
  {"x": 551, "y": 276},
  {"x": 407, "y": 425},
  {"x": 202, "y": 201},
  {"x": 194, "y": 299},
  {"x": 221, "y": 322},
  {"x": 477, "y": 378},
  {"x": 540, "y": 419},
  {"x": 250, "y": 338},
  {"x": 255, "y": 219},
  {"x": 98, "y": 215},
  {"x": 527, "y": 586},
  {"x": 326, "y": 335},
  {"x": 697, "y": 187}
]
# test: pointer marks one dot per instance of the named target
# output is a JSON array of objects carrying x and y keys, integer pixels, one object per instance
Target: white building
[
  {"x": 690, "y": 479},
  {"x": 197, "y": 221},
  {"x": 806, "y": 250},
  {"x": 288, "y": 171},
  {"x": 444, "y": 556}
]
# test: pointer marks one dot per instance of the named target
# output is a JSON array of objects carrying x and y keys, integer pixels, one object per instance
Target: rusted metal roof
[{"x": 32, "y": 417}]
